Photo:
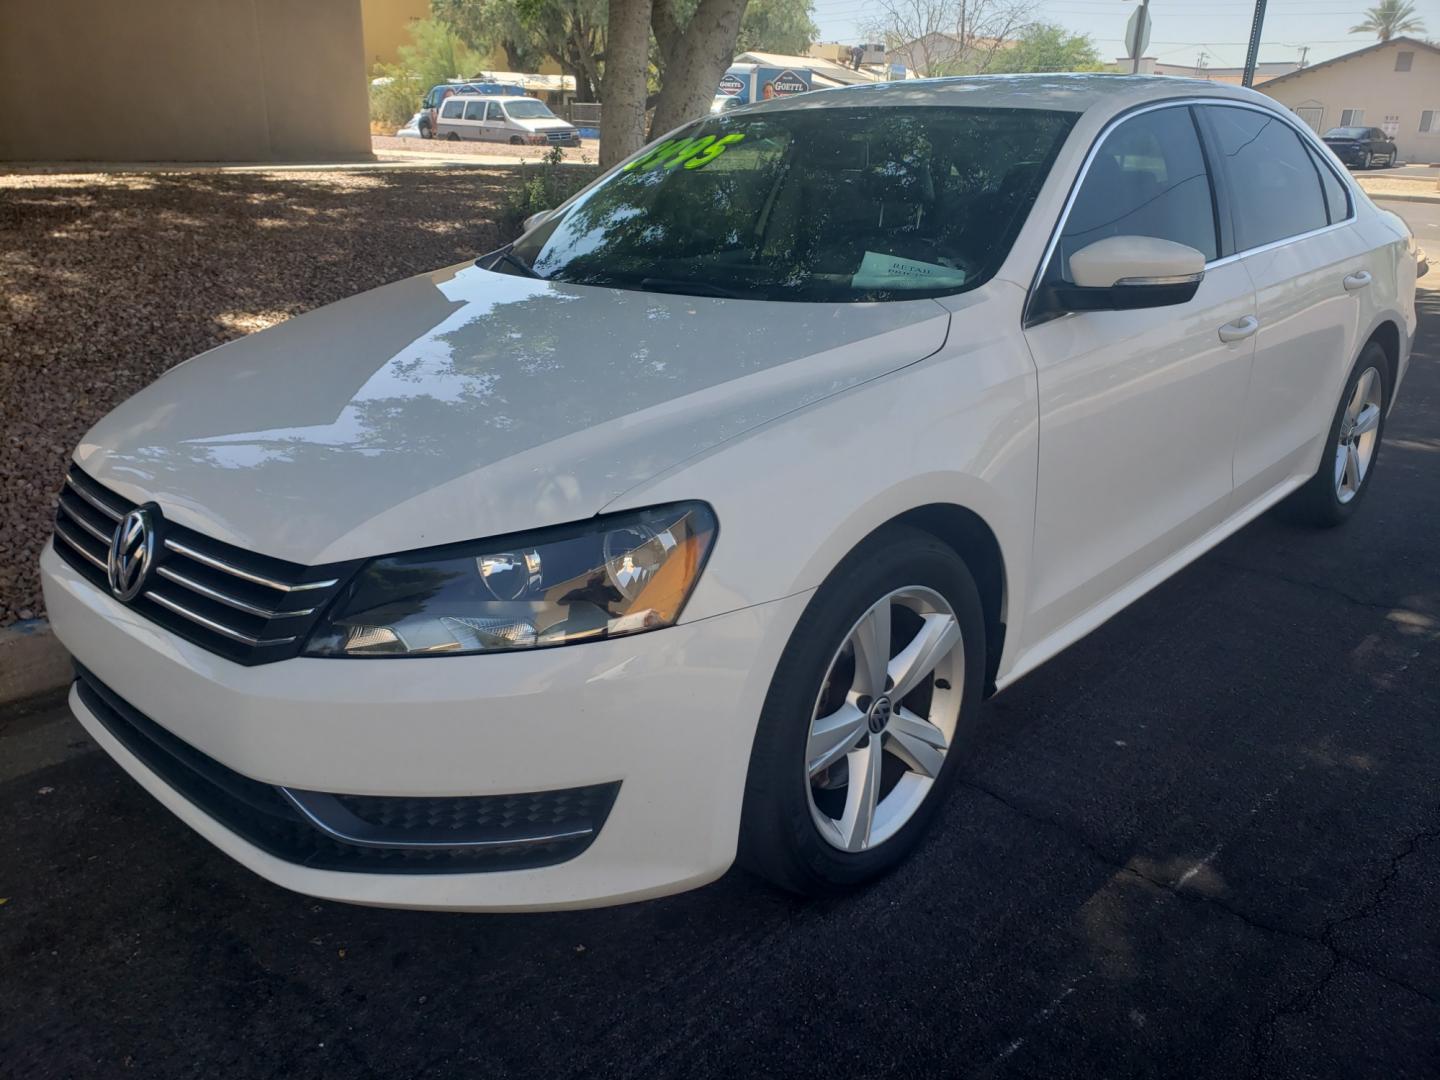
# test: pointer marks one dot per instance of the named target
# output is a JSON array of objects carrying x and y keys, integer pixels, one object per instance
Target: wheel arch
[
  {"x": 970, "y": 536},
  {"x": 1386, "y": 334}
]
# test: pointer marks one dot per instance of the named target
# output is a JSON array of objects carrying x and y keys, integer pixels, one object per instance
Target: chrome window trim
[{"x": 1306, "y": 135}]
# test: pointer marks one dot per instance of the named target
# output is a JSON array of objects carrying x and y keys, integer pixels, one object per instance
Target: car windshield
[
  {"x": 1345, "y": 133},
  {"x": 833, "y": 204},
  {"x": 528, "y": 110}
]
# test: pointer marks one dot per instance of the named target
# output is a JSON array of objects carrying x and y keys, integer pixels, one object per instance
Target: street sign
[{"x": 1137, "y": 32}]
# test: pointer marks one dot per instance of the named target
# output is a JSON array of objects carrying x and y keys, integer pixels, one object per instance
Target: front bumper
[{"x": 669, "y": 715}]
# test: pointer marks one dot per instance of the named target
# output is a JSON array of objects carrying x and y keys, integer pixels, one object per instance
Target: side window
[
  {"x": 1337, "y": 199},
  {"x": 475, "y": 110},
  {"x": 492, "y": 111},
  {"x": 452, "y": 109},
  {"x": 1148, "y": 179},
  {"x": 1271, "y": 182}
]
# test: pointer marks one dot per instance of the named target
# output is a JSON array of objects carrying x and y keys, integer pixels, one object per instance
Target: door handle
[
  {"x": 1357, "y": 280},
  {"x": 1240, "y": 329}
]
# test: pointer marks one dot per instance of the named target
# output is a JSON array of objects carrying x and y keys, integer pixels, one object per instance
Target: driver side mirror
[
  {"x": 535, "y": 219},
  {"x": 1121, "y": 273}
]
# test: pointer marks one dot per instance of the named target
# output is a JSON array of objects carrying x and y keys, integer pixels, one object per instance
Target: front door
[{"x": 1138, "y": 409}]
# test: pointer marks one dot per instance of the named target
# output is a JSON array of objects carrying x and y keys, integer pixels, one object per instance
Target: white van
[{"x": 519, "y": 120}]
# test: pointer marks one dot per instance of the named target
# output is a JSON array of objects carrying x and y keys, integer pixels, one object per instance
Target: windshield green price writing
[{"x": 691, "y": 153}]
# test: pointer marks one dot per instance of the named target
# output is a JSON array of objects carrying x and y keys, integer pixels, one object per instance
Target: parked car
[
  {"x": 430, "y": 106},
  {"x": 1363, "y": 147},
  {"x": 522, "y": 120},
  {"x": 697, "y": 523}
]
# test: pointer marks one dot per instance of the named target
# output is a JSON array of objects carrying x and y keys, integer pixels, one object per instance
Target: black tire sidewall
[
  {"x": 1372, "y": 356},
  {"x": 779, "y": 838}
]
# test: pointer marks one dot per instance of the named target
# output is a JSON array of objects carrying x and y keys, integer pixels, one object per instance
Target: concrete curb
[
  {"x": 32, "y": 661},
  {"x": 1376, "y": 196}
]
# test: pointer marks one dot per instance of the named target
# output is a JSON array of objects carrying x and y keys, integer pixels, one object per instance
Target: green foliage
[
  {"x": 543, "y": 186},
  {"x": 393, "y": 102},
  {"x": 1047, "y": 47},
  {"x": 778, "y": 26},
  {"x": 529, "y": 32},
  {"x": 1388, "y": 19},
  {"x": 434, "y": 54},
  {"x": 437, "y": 53}
]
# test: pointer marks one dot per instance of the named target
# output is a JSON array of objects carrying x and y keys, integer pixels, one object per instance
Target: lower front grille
[{"x": 362, "y": 833}]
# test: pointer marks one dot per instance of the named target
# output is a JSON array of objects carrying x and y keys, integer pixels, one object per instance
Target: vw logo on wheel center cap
[
  {"x": 132, "y": 552},
  {"x": 879, "y": 715}
]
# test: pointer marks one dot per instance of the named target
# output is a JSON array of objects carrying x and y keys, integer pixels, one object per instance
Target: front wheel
[
  {"x": 1369, "y": 161},
  {"x": 426, "y": 132},
  {"x": 1351, "y": 446},
  {"x": 866, "y": 717}
]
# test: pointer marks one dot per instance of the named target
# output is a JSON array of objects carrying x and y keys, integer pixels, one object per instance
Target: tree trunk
[
  {"x": 622, "y": 92},
  {"x": 695, "y": 62}
]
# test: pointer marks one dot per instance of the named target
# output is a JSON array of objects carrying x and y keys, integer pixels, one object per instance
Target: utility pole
[
  {"x": 1200, "y": 63},
  {"x": 1140, "y": 37},
  {"x": 1304, "y": 52},
  {"x": 1253, "y": 53}
]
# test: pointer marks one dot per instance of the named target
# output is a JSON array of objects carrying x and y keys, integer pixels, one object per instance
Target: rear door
[
  {"x": 1138, "y": 409},
  {"x": 474, "y": 120},
  {"x": 1289, "y": 220}
]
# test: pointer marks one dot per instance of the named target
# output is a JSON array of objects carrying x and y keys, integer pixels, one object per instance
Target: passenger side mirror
[
  {"x": 535, "y": 219},
  {"x": 1124, "y": 272}
]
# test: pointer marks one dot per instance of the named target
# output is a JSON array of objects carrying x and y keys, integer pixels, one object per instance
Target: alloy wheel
[
  {"x": 885, "y": 718},
  {"x": 1359, "y": 432}
]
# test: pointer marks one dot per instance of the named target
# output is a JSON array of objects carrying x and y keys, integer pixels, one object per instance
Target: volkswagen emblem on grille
[{"x": 132, "y": 551}]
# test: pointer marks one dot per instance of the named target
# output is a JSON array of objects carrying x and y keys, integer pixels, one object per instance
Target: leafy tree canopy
[{"x": 1047, "y": 47}]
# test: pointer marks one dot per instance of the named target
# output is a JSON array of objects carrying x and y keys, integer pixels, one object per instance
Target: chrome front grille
[{"x": 248, "y": 607}]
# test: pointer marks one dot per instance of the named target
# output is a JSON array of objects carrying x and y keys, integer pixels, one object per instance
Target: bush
[
  {"x": 395, "y": 100},
  {"x": 542, "y": 186}
]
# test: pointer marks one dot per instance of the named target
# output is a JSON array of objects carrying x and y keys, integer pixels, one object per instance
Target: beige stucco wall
[
  {"x": 1370, "y": 82},
  {"x": 182, "y": 80}
]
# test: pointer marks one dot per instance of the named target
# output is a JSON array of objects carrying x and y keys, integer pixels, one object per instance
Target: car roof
[
  {"x": 1066, "y": 92},
  {"x": 491, "y": 97}
]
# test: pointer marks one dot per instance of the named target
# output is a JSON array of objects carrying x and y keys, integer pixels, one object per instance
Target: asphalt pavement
[{"x": 1205, "y": 841}]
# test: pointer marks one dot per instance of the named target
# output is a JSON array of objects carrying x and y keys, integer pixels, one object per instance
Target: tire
[
  {"x": 426, "y": 132},
  {"x": 782, "y": 837},
  {"x": 453, "y": 137},
  {"x": 1324, "y": 501},
  {"x": 1369, "y": 161},
  {"x": 515, "y": 140}
]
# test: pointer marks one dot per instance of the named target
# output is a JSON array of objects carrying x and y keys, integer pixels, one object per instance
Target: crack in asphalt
[
  {"x": 1298, "y": 1004},
  {"x": 1263, "y": 1037},
  {"x": 1306, "y": 583}
]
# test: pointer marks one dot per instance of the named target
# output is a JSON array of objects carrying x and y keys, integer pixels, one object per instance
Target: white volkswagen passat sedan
[{"x": 699, "y": 522}]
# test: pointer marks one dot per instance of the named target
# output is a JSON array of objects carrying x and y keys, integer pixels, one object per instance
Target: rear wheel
[
  {"x": 1332, "y": 494},
  {"x": 864, "y": 723},
  {"x": 454, "y": 137}
]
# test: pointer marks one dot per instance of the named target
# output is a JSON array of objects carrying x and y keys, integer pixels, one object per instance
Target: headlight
[{"x": 614, "y": 575}]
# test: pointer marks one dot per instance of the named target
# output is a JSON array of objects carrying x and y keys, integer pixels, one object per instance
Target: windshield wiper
[
  {"x": 504, "y": 255},
  {"x": 693, "y": 288}
]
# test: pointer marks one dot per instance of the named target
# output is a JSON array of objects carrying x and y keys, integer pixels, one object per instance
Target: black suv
[{"x": 1363, "y": 147}]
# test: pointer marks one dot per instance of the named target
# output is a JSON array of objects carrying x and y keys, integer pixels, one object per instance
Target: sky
[{"x": 1180, "y": 30}]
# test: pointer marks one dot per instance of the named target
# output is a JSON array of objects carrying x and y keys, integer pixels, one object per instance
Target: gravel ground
[
  {"x": 588, "y": 151},
  {"x": 108, "y": 280}
]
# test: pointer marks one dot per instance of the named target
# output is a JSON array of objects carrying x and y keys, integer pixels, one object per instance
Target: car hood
[
  {"x": 465, "y": 403},
  {"x": 547, "y": 123}
]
